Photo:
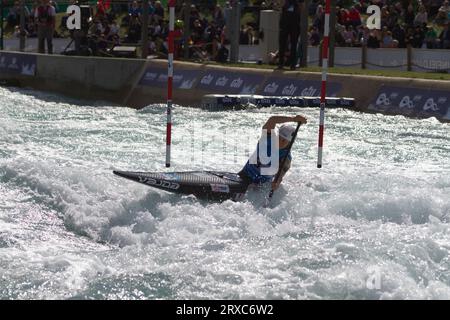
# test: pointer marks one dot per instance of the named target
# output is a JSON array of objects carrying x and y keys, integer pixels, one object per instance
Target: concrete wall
[
  {"x": 117, "y": 80},
  {"x": 82, "y": 77}
]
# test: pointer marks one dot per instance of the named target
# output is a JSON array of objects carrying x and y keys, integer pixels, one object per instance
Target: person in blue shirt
[{"x": 259, "y": 168}]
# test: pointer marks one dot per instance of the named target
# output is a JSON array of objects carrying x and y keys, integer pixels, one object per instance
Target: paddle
[{"x": 283, "y": 162}]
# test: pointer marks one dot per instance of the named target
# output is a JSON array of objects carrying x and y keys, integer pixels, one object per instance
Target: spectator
[
  {"x": 45, "y": 18},
  {"x": 349, "y": 36},
  {"x": 218, "y": 16},
  {"x": 134, "y": 30},
  {"x": 386, "y": 41},
  {"x": 434, "y": 7},
  {"x": 441, "y": 18},
  {"x": 13, "y": 18},
  {"x": 159, "y": 11},
  {"x": 431, "y": 38},
  {"x": 314, "y": 37},
  {"x": 399, "y": 33},
  {"x": 373, "y": 41},
  {"x": 354, "y": 17},
  {"x": 289, "y": 28},
  {"x": 410, "y": 16},
  {"x": 421, "y": 17},
  {"x": 243, "y": 39},
  {"x": 445, "y": 7},
  {"x": 444, "y": 37},
  {"x": 319, "y": 18}
]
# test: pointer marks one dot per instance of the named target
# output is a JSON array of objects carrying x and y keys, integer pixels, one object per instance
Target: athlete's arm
[
  {"x": 287, "y": 166},
  {"x": 274, "y": 120}
]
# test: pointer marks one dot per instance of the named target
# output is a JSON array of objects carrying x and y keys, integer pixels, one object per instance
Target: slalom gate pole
[
  {"x": 170, "y": 43},
  {"x": 323, "y": 90}
]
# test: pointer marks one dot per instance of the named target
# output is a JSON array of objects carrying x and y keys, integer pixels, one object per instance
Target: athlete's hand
[{"x": 301, "y": 119}]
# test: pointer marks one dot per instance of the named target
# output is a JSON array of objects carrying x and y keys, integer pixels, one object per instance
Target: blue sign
[
  {"x": 229, "y": 82},
  {"x": 157, "y": 77},
  {"x": 277, "y": 86},
  {"x": 14, "y": 63},
  {"x": 412, "y": 102}
]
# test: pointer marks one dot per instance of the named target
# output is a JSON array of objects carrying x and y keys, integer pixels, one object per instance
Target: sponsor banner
[
  {"x": 313, "y": 56},
  {"x": 157, "y": 77},
  {"x": 430, "y": 60},
  {"x": 386, "y": 58},
  {"x": 277, "y": 86},
  {"x": 14, "y": 63},
  {"x": 347, "y": 57},
  {"x": 229, "y": 82},
  {"x": 266, "y": 101},
  {"x": 412, "y": 102}
]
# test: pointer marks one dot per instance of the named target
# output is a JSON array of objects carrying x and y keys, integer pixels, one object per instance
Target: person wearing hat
[{"x": 259, "y": 168}]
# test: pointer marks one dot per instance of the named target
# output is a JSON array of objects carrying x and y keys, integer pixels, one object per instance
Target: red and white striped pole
[
  {"x": 170, "y": 45},
  {"x": 323, "y": 90}
]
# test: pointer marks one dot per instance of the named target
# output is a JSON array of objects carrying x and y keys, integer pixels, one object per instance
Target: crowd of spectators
[{"x": 421, "y": 24}]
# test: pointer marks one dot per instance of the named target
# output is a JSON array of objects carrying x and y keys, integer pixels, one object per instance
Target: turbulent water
[{"x": 373, "y": 223}]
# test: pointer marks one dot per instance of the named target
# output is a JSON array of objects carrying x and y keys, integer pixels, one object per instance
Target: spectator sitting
[
  {"x": 373, "y": 41},
  {"x": 441, "y": 18},
  {"x": 314, "y": 38},
  {"x": 387, "y": 40},
  {"x": 354, "y": 17},
  {"x": 349, "y": 36},
  {"x": 339, "y": 36},
  {"x": 431, "y": 38},
  {"x": 343, "y": 17},
  {"x": 421, "y": 17},
  {"x": 445, "y": 7}
]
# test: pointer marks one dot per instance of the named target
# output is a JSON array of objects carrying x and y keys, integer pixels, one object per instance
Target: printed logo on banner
[
  {"x": 157, "y": 77},
  {"x": 206, "y": 80},
  {"x": 18, "y": 63},
  {"x": 412, "y": 102},
  {"x": 289, "y": 90},
  {"x": 291, "y": 86},
  {"x": 229, "y": 82},
  {"x": 310, "y": 92},
  {"x": 271, "y": 88},
  {"x": 250, "y": 89},
  {"x": 222, "y": 82},
  {"x": 236, "y": 83}
]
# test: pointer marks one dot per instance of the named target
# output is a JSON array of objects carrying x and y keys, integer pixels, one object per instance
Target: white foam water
[{"x": 373, "y": 223}]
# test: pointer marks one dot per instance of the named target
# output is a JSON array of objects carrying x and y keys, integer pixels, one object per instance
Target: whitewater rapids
[{"x": 373, "y": 223}]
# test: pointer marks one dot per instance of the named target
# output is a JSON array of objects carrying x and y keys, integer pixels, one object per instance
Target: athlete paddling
[
  {"x": 272, "y": 153},
  {"x": 259, "y": 168}
]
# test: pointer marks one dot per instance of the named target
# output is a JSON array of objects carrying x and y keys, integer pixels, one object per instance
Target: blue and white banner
[
  {"x": 157, "y": 77},
  {"x": 412, "y": 102},
  {"x": 230, "y": 82},
  {"x": 16, "y": 63},
  {"x": 277, "y": 86}
]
